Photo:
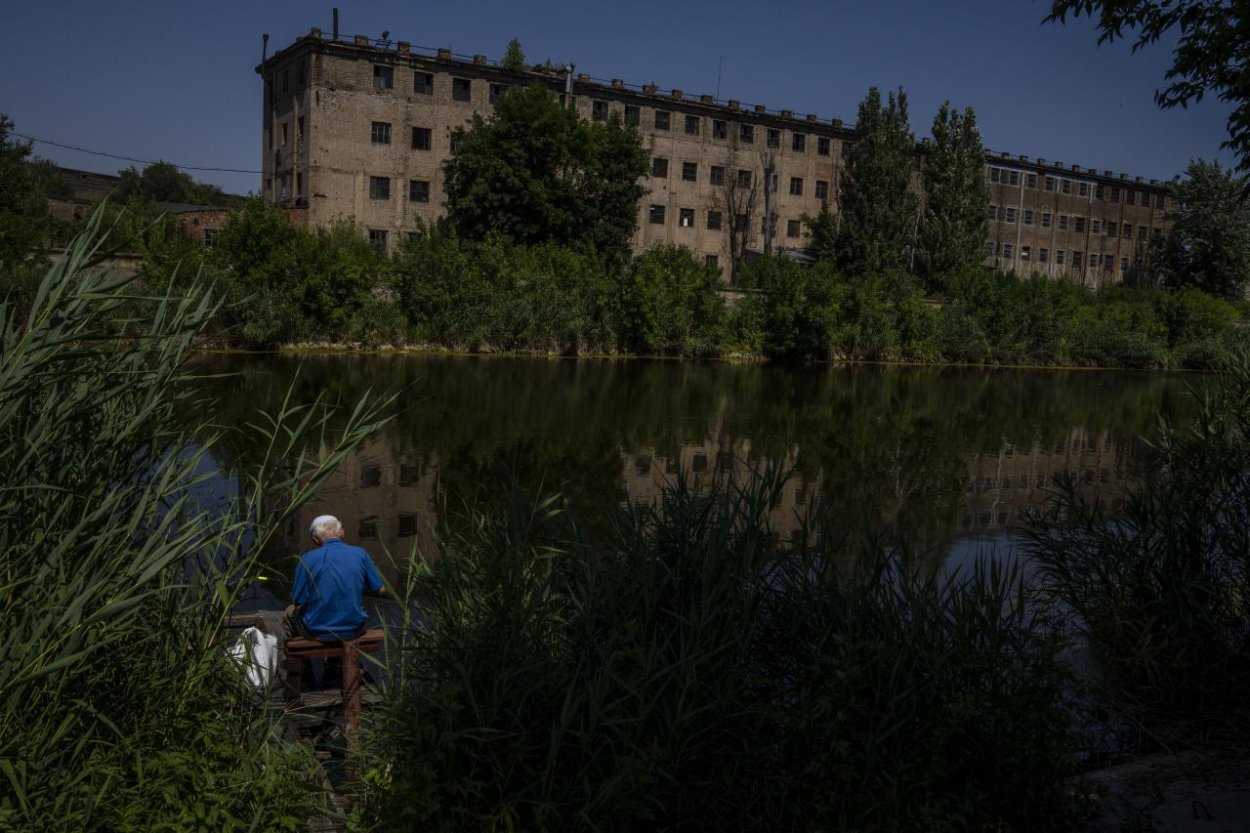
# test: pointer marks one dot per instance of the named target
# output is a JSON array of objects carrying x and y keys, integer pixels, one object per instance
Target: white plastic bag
[{"x": 257, "y": 652}]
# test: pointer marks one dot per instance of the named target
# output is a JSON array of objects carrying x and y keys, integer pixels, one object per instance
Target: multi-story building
[{"x": 358, "y": 130}]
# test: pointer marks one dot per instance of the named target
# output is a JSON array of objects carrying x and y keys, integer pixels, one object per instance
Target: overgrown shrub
[
  {"x": 287, "y": 284},
  {"x": 882, "y": 318},
  {"x": 794, "y": 310},
  {"x": 667, "y": 304}
]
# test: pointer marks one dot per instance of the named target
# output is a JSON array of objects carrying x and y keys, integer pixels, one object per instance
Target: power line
[{"x": 131, "y": 158}]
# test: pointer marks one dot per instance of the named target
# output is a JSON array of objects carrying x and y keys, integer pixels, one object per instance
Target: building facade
[{"x": 357, "y": 130}]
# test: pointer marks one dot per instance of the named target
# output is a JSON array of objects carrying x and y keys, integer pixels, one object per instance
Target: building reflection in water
[
  {"x": 390, "y": 504},
  {"x": 1002, "y": 488}
]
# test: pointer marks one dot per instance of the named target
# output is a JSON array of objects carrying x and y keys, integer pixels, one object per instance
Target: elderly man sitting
[{"x": 330, "y": 582}]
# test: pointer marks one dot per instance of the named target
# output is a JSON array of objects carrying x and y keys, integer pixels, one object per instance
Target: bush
[
  {"x": 882, "y": 317},
  {"x": 378, "y": 323},
  {"x": 667, "y": 304},
  {"x": 287, "y": 284},
  {"x": 547, "y": 299},
  {"x": 795, "y": 309},
  {"x": 690, "y": 672},
  {"x": 1109, "y": 336},
  {"x": 1193, "y": 316}
]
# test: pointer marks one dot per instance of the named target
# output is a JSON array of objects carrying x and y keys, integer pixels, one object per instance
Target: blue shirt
[{"x": 330, "y": 583}]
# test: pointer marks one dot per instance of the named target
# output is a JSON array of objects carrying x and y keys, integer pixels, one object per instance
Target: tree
[
  {"x": 533, "y": 172},
  {"x": 514, "y": 58},
  {"x": 23, "y": 203},
  {"x": 1208, "y": 245},
  {"x": 824, "y": 234},
  {"x": 163, "y": 182},
  {"x": 1211, "y": 55},
  {"x": 737, "y": 199},
  {"x": 877, "y": 205},
  {"x": 953, "y": 226},
  {"x": 768, "y": 164}
]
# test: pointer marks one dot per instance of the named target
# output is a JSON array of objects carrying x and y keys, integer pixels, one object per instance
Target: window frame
[{"x": 379, "y": 188}]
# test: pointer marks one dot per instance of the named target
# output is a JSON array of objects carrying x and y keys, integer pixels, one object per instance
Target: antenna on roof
[{"x": 720, "y": 60}]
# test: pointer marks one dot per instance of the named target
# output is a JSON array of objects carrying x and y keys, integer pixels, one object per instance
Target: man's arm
[
  {"x": 374, "y": 586},
  {"x": 299, "y": 590}
]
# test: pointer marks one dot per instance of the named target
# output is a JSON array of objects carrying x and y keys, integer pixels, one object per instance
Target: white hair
[{"x": 325, "y": 526}]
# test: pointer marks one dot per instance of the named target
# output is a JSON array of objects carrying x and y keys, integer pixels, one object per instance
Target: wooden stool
[{"x": 300, "y": 650}]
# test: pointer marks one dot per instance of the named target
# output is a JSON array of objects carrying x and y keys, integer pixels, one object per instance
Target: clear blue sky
[{"x": 175, "y": 80}]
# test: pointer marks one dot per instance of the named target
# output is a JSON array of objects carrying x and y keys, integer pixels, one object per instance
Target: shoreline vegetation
[
  {"x": 682, "y": 668},
  {"x": 285, "y": 289}
]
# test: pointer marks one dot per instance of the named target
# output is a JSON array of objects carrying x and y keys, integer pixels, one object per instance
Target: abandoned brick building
[{"x": 358, "y": 130}]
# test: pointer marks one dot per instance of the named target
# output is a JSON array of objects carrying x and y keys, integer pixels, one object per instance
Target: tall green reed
[
  {"x": 689, "y": 670},
  {"x": 1159, "y": 585},
  {"x": 119, "y": 562}
]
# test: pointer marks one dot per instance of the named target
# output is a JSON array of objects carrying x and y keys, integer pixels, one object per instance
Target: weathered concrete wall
[{"x": 322, "y": 150}]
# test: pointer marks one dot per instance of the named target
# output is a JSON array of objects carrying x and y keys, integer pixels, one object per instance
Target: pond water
[{"x": 949, "y": 459}]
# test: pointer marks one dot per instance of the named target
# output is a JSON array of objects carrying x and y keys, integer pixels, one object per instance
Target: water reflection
[{"x": 930, "y": 455}]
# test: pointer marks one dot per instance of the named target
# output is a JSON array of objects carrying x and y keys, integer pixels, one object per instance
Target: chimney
[
  {"x": 787, "y": 114},
  {"x": 760, "y": 108},
  {"x": 479, "y": 60},
  {"x": 706, "y": 99},
  {"x": 444, "y": 54},
  {"x": 649, "y": 89},
  {"x": 811, "y": 117},
  {"x": 618, "y": 84},
  {"x": 733, "y": 104},
  {"x": 677, "y": 94},
  {"x": 361, "y": 40},
  {"x": 404, "y": 48}
]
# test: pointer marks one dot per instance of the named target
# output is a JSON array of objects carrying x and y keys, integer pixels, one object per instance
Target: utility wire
[{"x": 130, "y": 158}]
